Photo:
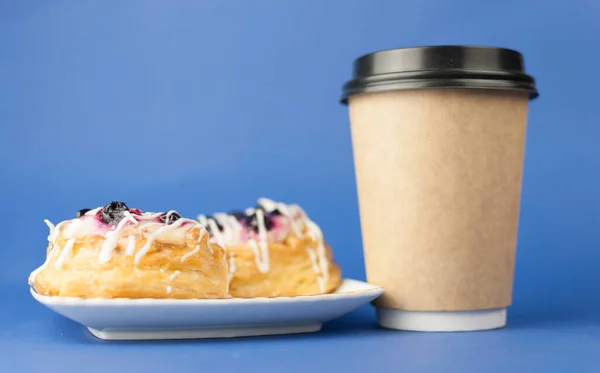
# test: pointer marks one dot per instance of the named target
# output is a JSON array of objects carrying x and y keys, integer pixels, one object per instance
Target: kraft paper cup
[{"x": 438, "y": 135}]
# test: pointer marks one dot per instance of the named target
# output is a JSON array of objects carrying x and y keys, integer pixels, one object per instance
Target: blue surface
[{"x": 206, "y": 105}]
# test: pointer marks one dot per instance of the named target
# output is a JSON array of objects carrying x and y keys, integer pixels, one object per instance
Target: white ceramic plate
[{"x": 127, "y": 319}]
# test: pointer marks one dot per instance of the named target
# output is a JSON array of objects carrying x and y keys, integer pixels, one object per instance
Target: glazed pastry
[
  {"x": 273, "y": 250},
  {"x": 119, "y": 252}
]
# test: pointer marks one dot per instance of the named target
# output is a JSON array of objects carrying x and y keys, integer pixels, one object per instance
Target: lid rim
[
  {"x": 455, "y": 74},
  {"x": 439, "y": 66},
  {"x": 440, "y": 84},
  {"x": 447, "y": 46}
]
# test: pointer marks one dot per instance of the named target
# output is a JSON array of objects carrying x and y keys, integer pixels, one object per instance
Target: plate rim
[{"x": 371, "y": 289}]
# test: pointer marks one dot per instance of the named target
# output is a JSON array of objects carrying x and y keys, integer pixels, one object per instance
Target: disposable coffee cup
[{"x": 438, "y": 136}]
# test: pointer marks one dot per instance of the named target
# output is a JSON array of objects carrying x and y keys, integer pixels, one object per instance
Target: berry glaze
[
  {"x": 267, "y": 223},
  {"x": 116, "y": 217},
  {"x": 238, "y": 228}
]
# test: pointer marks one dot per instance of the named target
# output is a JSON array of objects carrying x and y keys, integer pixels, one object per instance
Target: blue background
[{"x": 206, "y": 105}]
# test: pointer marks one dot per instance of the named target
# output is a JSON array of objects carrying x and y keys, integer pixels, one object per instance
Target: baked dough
[
  {"x": 270, "y": 250},
  {"x": 274, "y": 250},
  {"x": 118, "y": 252}
]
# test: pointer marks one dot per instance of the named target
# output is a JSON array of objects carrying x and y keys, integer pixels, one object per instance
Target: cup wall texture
[{"x": 439, "y": 176}]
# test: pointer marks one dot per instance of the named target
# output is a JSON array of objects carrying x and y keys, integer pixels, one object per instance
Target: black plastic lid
[{"x": 439, "y": 67}]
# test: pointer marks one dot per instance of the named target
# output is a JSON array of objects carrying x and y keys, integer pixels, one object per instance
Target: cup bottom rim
[{"x": 441, "y": 321}]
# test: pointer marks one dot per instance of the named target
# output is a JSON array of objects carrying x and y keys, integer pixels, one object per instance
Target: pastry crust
[
  {"x": 295, "y": 269},
  {"x": 274, "y": 250},
  {"x": 187, "y": 267}
]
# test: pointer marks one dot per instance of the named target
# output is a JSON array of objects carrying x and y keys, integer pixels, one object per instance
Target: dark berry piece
[
  {"x": 114, "y": 212},
  {"x": 238, "y": 215},
  {"x": 275, "y": 211},
  {"x": 81, "y": 212},
  {"x": 252, "y": 222},
  {"x": 172, "y": 217}
]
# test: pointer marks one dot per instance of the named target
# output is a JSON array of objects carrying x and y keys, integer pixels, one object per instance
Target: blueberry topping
[
  {"x": 114, "y": 212},
  {"x": 252, "y": 221},
  {"x": 238, "y": 215},
  {"x": 81, "y": 212},
  {"x": 275, "y": 211},
  {"x": 171, "y": 218}
]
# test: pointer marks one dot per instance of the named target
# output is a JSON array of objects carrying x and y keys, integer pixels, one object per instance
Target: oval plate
[{"x": 142, "y": 319}]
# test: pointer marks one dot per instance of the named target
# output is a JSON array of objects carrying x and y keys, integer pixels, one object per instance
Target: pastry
[
  {"x": 119, "y": 252},
  {"x": 273, "y": 250}
]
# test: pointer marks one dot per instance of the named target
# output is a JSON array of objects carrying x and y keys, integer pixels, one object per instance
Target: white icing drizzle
[
  {"x": 55, "y": 232},
  {"x": 216, "y": 233},
  {"x": 263, "y": 266},
  {"x": 148, "y": 215},
  {"x": 187, "y": 255},
  {"x": 231, "y": 266},
  {"x": 173, "y": 275},
  {"x": 86, "y": 223},
  {"x": 318, "y": 257},
  {"x": 323, "y": 262},
  {"x": 72, "y": 228},
  {"x": 313, "y": 258},
  {"x": 94, "y": 211},
  {"x": 204, "y": 223},
  {"x": 51, "y": 227},
  {"x": 322, "y": 283},
  {"x": 231, "y": 227},
  {"x": 130, "y": 245},
  {"x": 202, "y": 219},
  {"x": 112, "y": 238},
  {"x": 66, "y": 253},
  {"x": 262, "y": 257},
  {"x": 221, "y": 218},
  {"x": 268, "y": 204},
  {"x": 169, "y": 289},
  {"x": 144, "y": 250}
]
